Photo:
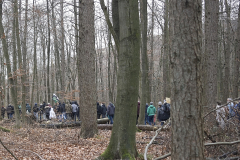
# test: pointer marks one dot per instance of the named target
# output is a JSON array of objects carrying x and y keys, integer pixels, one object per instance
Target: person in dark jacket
[
  {"x": 160, "y": 113},
  {"x": 111, "y": 111},
  {"x": 3, "y": 112},
  {"x": 164, "y": 112},
  {"x": 146, "y": 115},
  {"x": 63, "y": 110},
  {"x": 47, "y": 111},
  {"x": 74, "y": 110},
  {"x": 104, "y": 110},
  {"x": 35, "y": 110},
  {"x": 99, "y": 111},
  {"x": 10, "y": 111},
  {"x": 28, "y": 108}
]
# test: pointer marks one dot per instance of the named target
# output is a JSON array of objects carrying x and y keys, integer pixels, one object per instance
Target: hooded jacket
[
  {"x": 110, "y": 109},
  {"x": 151, "y": 110}
]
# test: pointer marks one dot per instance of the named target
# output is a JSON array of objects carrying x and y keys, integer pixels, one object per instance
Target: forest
[{"x": 120, "y": 52}]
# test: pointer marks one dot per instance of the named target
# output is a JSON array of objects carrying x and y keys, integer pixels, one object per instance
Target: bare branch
[
  {"x": 157, "y": 131},
  {"x": 221, "y": 106},
  {"x": 7, "y": 149}
]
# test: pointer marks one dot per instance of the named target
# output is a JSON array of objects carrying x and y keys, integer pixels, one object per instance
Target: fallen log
[
  {"x": 102, "y": 120},
  {"x": 4, "y": 129},
  {"x": 101, "y": 125},
  {"x": 141, "y": 127},
  {"x": 60, "y": 125}
]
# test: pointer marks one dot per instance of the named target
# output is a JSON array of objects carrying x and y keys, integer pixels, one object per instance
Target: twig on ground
[
  {"x": 7, "y": 149},
  {"x": 206, "y": 144},
  {"x": 34, "y": 153}
]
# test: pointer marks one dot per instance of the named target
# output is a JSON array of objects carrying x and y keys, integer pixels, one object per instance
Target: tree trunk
[
  {"x": 34, "y": 55},
  {"x": 63, "y": 64},
  {"x": 48, "y": 55},
  {"x": 211, "y": 50},
  {"x": 237, "y": 58},
  {"x": 166, "y": 65},
  {"x": 227, "y": 55},
  {"x": 186, "y": 107},
  {"x": 56, "y": 50},
  {"x": 86, "y": 70},
  {"x": 144, "y": 62},
  {"x": 15, "y": 75},
  {"x": 122, "y": 143}
]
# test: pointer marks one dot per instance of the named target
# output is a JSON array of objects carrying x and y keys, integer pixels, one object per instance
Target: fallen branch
[
  {"x": 222, "y": 143},
  {"x": 157, "y": 131},
  {"x": 7, "y": 149},
  {"x": 4, "y": 129},
  {"x": 34, "y": 153},
  {"x": 206, "y": 144},
  {"x": 164, "y": 156}
]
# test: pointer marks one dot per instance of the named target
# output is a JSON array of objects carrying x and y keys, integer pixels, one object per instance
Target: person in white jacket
[
  {"x": 221, "y": 114},
  {"x": 52, "y": 113}
]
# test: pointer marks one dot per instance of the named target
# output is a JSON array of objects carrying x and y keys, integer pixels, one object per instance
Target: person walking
[
  {"x": 9, "y": 111},
  {"x": 110, "y": 112},
  {"x": 99, "y": 110},
  {"x": 3, "y": 112},
  {"x": 104, "y": 110},
  {"x": 74, "y": 110},
  {"x": 151, "y": 112},
  {"x": 28, "y": 108},
  {"x": 35, "y": 110}
]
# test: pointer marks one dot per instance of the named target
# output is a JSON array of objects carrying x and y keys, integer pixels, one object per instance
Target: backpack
[{"x": 166, "y": 108}]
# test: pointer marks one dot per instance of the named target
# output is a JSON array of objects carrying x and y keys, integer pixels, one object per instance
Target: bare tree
[
  {"x": 186, "y": 107},
  {"x": 145, "y": 95},
  {"x": 211, "y": 50},
  {"x": 86, "y": 69},
  {"x": 122, "y": 143}
]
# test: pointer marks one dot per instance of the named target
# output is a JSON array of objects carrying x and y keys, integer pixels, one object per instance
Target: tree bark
[
  {"x": 63, "y": 64},
  {"x": 14, "y": 64},
  {"x": 166, "y": 64},
  {"x": 122, "y": 143},
  {"x": 48, "y": 54},
  {"x": 186, "y": 107},
  {"x": 211, "y": 50},
  {"x": 237, "y": 58},
  {"x": 144, "y": 62},
  {"x": 86, "y": 70},
  {"x": 227, "y": 55}
]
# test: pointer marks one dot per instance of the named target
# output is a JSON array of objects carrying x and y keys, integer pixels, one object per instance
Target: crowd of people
[
  {"x": 46, "y": 111},
  {"x": 104, "y": 111},
  {"x": 229, "y": 112}
]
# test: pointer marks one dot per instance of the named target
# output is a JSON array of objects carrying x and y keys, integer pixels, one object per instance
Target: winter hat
[
  {"x": 151, "y": 103},
  {"x": 159, "y": 103}
]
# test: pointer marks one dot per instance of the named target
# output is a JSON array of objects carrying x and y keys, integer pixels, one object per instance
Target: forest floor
[{"x": 56, "y": 144}]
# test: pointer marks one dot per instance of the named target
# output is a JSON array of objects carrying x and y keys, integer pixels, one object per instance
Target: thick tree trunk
[
  {"x": 186, "y": 107},
  {"x": 122, "y": 143},
  {"x": 237, "y": 58},
  {"x": 86, "y": 70},
  {"x": 227, "y": 56},
  {"x": 144, "y": 62},
  {"x": 211, "y": 50},
  {"x": 166, "y": 64},
  {"x": 15, "y": 75}
]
